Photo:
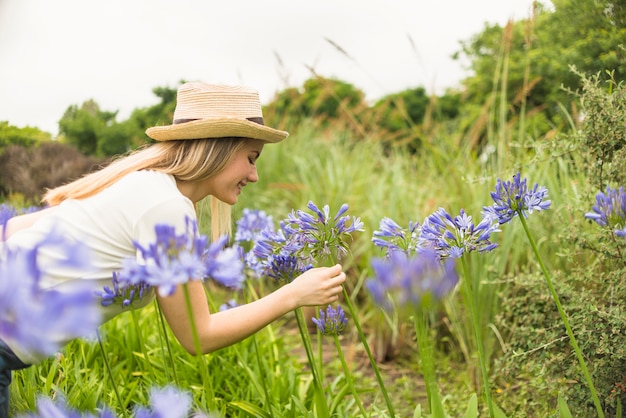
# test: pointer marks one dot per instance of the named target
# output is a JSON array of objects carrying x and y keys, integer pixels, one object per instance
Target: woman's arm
[
  {"x": 20, "y": 222},
  {"x": 318, "y": 286}
]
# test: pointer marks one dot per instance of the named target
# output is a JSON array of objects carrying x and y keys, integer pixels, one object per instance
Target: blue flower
[
  {"x": 168, "y": 402},
  {"x": 277, "y": 256},
  {"x": 47, "y": 408},
  {"x": 453, "y": 237},
  {"x": 610, "y": 208},
  {"x": 320, "y": 234},
  {"x": 393, "y": 237},
  {"x": 37, "y": 317},
  {"x": 331, "y": 322},
  {"x": 400, "y": 279},
  {"x": 251, "y": 224},
  {"x": 514, "y": 198},
  {"x": 177, "y": 259}
]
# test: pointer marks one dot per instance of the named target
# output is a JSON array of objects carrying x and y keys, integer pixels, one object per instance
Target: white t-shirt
[{"x": 107, "y": 223}]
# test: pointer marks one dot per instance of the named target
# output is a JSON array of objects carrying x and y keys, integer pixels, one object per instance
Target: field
[{"x": 541, "y": 315}]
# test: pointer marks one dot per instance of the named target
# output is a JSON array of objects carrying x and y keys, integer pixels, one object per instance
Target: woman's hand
[{"x": 318, "y": 286}]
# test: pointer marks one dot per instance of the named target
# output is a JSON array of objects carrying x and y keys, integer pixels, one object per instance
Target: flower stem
[
  {"x": 133, "y": 313},
  {"x": 167, "y": 343},
  {"x": 320, "y": 399},
  {"x": 357, "y": 324},
  {"x": 426, "y": 353},
  {"x": 197, "y": 347},
  {"x": 349, "y": 376},
  {"x": 568, "y": 328},
  {"x": 469, "y": 296},
  {"x": 110, "y": 373}
]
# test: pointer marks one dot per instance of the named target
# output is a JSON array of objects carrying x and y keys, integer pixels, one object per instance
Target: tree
[
  {"x": 12, "y": 135},
  {"x": 527, "y": 63},
  {"x": 82, "y": 127}
]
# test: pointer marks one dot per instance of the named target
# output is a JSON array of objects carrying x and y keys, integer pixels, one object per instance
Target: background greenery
[{"x": 545, "y": 97}]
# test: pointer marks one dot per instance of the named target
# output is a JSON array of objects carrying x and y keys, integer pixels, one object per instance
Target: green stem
[
  {"x": 557, "y": 302},
  {"x": 268, "y": 399},
  {"x": 133, "y": 313},
  {"x": 469, "y": 295},
  {"x": 320, "y": 399},
  {"x": 379, "y": 378},
  {"x": 349, "y": 376},
  {"x": 110, "y": 373},
  {"x": 167, "y": 343},
  {"x": 426, "y": 352},
  {"x": 197, "y": 346}
]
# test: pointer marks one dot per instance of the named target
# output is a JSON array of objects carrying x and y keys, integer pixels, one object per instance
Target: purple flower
[
  {"x": 168, "y": 402},
  {"x": 251, "y": 224},
  {"x": 122, "y": 293},
  {"x": 275, "y": 255},
  {"x": 38, "y": 318},
  {"x": 453, "y": 237},
  {"x": 621, "y": 232},
  {"x": 232, "y": 303},
  {"x": 177, "y": 259},
  {"x": 610, "y": 208},
  {"x": 514, "y": 198},
  {"x": 401, "y": 279},
  {"x": 320, "y": 234},
  {"x": 331, "y": 322},
  {"x": 393, "y": 237},
  {"x": 47, "y": 408}
]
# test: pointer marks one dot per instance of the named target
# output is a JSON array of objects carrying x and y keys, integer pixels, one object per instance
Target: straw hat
[{"x": 215, "y": 111}]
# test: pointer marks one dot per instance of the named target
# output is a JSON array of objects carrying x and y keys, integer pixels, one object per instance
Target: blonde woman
[{"x": 210, "y": 150}]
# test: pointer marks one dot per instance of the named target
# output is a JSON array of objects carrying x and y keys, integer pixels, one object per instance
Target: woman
[{"x": 211, "y": 149}]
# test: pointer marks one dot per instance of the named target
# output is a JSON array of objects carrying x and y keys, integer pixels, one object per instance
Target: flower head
[
  {"x": 401, "y": 279},
  {"x": 393, "y": 237},
  {"x": 58, "y": 408},
  {"x": 610, "y": 208},
  {"x": 331, "y": 322},
  {"x": 320, "y": 234},
  {"x": 251, "y": 224},
  {"x": 453, "y": 237},
  {"x": 176, "y": 259},
  {"x": 277, "y": 256},
  {"x": 515, "y": 198},
  {"x": 36, "y": 317}
]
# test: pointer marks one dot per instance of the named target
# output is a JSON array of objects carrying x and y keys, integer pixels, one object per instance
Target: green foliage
[
  {"x": 12, "y": 135},
  {"x": 527, "y": 62}
]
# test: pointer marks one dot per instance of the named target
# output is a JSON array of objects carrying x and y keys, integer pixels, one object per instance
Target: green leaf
[
  {"x": 564, "y": 411},
  {"x": 249, "y": 408}
]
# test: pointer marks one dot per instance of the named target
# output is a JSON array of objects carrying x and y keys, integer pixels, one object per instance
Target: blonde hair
[{"x": 186, "y": 160}]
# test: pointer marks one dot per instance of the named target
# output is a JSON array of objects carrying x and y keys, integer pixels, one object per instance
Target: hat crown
[{"x": 199, "y": 100}]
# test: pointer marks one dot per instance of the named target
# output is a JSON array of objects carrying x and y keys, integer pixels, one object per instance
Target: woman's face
[{"x": 240, "y": 170}]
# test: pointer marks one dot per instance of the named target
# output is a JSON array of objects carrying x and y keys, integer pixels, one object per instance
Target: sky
[{"x": 58, "y": 53}]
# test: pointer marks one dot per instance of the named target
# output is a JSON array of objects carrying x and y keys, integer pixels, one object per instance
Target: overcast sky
[{"x": 57, "y": 53}]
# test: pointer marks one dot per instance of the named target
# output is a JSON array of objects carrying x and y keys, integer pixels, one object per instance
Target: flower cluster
[
  {"x": 172, "y": 260},
  {"x": 167, "y": 402},
  {"x": 610, "y": 209},
  {"x": 332, "y": 322},
  {"x": 393, "y": 237},
  {"x": 290, "y": 250},
  {"x": 277, "y": 256},
  {"x": 36, "y": 317},
  {"x": 513, "y": 198},
  {"x": 251, "y": 224},
  {"x": 402, "y": 279},
  {"x": 452, "y": 237},
  {"x": 320, "y": 234},
  {"x": 122, "y": 293}
]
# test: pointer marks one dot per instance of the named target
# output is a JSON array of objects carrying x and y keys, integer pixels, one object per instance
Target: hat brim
[{"x": 216, "y": 128}]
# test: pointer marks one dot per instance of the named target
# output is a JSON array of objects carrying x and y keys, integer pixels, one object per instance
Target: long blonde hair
[{"x": 186, "y": 160}]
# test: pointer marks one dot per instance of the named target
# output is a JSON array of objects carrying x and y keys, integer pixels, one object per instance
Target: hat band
[{"x": 258, "y": 120}]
